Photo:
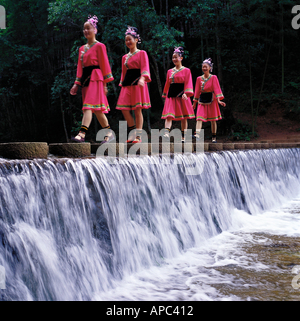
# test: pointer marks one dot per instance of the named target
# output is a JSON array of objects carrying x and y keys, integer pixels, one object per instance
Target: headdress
[
  {"x": 179, "y": 51},
  {"x": 209, "y": 62},
  {"x": 93, "y": 21},
  {"x": 133, "y": 32}
]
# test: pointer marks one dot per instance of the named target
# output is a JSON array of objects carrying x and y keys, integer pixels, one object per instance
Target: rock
[
  {"x": 24, "y": 150},
  {"x": 71, "y": 149}
]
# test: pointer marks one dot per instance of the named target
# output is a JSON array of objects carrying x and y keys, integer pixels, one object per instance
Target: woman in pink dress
[
  {"x": 93, "y": 74},
  {"x": 177, "y": 92},
  {"x": 134, "y": 93},
  {"x": 208, "y": 96}
]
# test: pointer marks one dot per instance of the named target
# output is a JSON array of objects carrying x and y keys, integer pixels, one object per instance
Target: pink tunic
[
  {"x": 93, "y": 96},
  {"x": 177, "y": 108},
  {"x": 209, "y": 112},
  {"x": 133, "y": 97}
]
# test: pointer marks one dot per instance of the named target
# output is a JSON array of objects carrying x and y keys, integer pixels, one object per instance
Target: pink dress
[
  {"x": 208, "y": 112},
  {"x": 133, "y": 97},
  {"x": 177, "y": 108},
  {"x": 93, "y": 95}
]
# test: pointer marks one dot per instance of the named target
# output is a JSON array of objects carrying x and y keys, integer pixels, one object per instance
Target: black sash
[
  {"x": 86, "y": 75},
  {"x": 206, "y": 98},
  {"x": 132, "y": 77},
  {"x": 176, "y": 90}
]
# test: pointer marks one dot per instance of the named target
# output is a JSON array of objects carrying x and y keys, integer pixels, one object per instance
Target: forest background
[{"x": 252, "y": 43}]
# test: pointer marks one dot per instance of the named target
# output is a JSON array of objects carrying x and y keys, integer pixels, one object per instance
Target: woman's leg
[
  {"x": 184, "y": 126},
  {"x": 85, "y": 124},
  {"x": 131, "y": 125},
  {"x": 168, "y": 126},
  {"x": 139, "y": 119},
  {"x": 102, "y": 119},
  {"x": 214, "y": 131},
  {"x": 198, "y": 129}
]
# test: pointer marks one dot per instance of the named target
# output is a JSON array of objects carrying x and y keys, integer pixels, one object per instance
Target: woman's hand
[
  {"x": 141, "y": 82},
  {"x": 184, "y": 97},
  {"x": 221, "y": 103},
  {"x": 105, "y": 89},
  {"x": 74, "y": 90},
  {"x": 194, "y": 104}
]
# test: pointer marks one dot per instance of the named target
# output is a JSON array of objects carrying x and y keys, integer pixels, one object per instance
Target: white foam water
[{"x": 91, "y": 230}]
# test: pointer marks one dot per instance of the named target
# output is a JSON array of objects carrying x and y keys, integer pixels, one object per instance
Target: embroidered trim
[
  {"x": 208, "y": 119},
  {"x": 196, "y": 99},
  {"x": 175, "y": 71},
  {"x": 108, "y": 76},
  {"x": 97, "y": 106},
  {"x": 86, "y": 48},
  {"x": 177, "y": 117},
  {"x": 219, "y": 96},
  {"x": 189, "y": 90},
  {"x": 129, "y": 55},
  {"x": 205, "y": 81},
  {"x": 134, "y": 106}
]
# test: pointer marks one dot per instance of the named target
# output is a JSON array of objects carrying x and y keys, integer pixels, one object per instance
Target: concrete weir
[
  {"x": 24, "y": 150},
  {"x": 75, "y": 150}
]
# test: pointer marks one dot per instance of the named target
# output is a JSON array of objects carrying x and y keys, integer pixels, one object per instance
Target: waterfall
[{"x": 70, "y": 228}]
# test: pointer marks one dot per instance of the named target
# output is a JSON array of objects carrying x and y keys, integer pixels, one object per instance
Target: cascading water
[{"x": 74, "y": 229}]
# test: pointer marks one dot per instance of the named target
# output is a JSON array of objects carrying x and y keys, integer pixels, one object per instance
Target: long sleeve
[
  {"x": 145, "y": 69},
  {"x": 104, "y": 63},
  {"x": 198, "y": 89},
  {"x": 217, "y": 89},
  {"x": 188, "y": 84},
  {"x": 124, "y": 70},
  {"x": 79, "y": 68},
  {"x": 167, "y": 85}
]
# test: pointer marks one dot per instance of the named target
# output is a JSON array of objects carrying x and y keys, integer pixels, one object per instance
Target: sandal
[
  {"x": 108, "y": 139},
  {"x": 81, "y": 140},
  {"x": 137, "y": 140}
]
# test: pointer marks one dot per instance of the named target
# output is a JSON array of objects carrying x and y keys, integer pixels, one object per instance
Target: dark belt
[
  {"x": 132, "y": 77},
  {"x": 86, "y": 75},
  {"x": 206, "y": 98},
  {"x": 176, "y": 90}
]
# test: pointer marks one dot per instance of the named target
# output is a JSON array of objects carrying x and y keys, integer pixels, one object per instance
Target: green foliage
[
  {"x": 242, "y": 131},
  {"x": 39, "y": 52}
]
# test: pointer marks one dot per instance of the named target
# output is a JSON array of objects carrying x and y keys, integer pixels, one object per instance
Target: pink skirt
[
  {"x": 133, "y": 97},
  {"x": 209, "y": 112},
  {"x": 178, "y": 109},
  {"x": 94, "y": 97}
]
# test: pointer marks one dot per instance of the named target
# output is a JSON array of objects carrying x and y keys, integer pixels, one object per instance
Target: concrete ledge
[
  {"x": 257, "y": 145},
  {"x": 228, "y": 146},
  {"x": 215, "y": 147},
  {"x": 70, "y": 150},
  {"x": 249, "y": 145},
  {"x": 239, "y": 146},
  {"x": 24, "y": 150},
  {"x": 264, "y": 145}
]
